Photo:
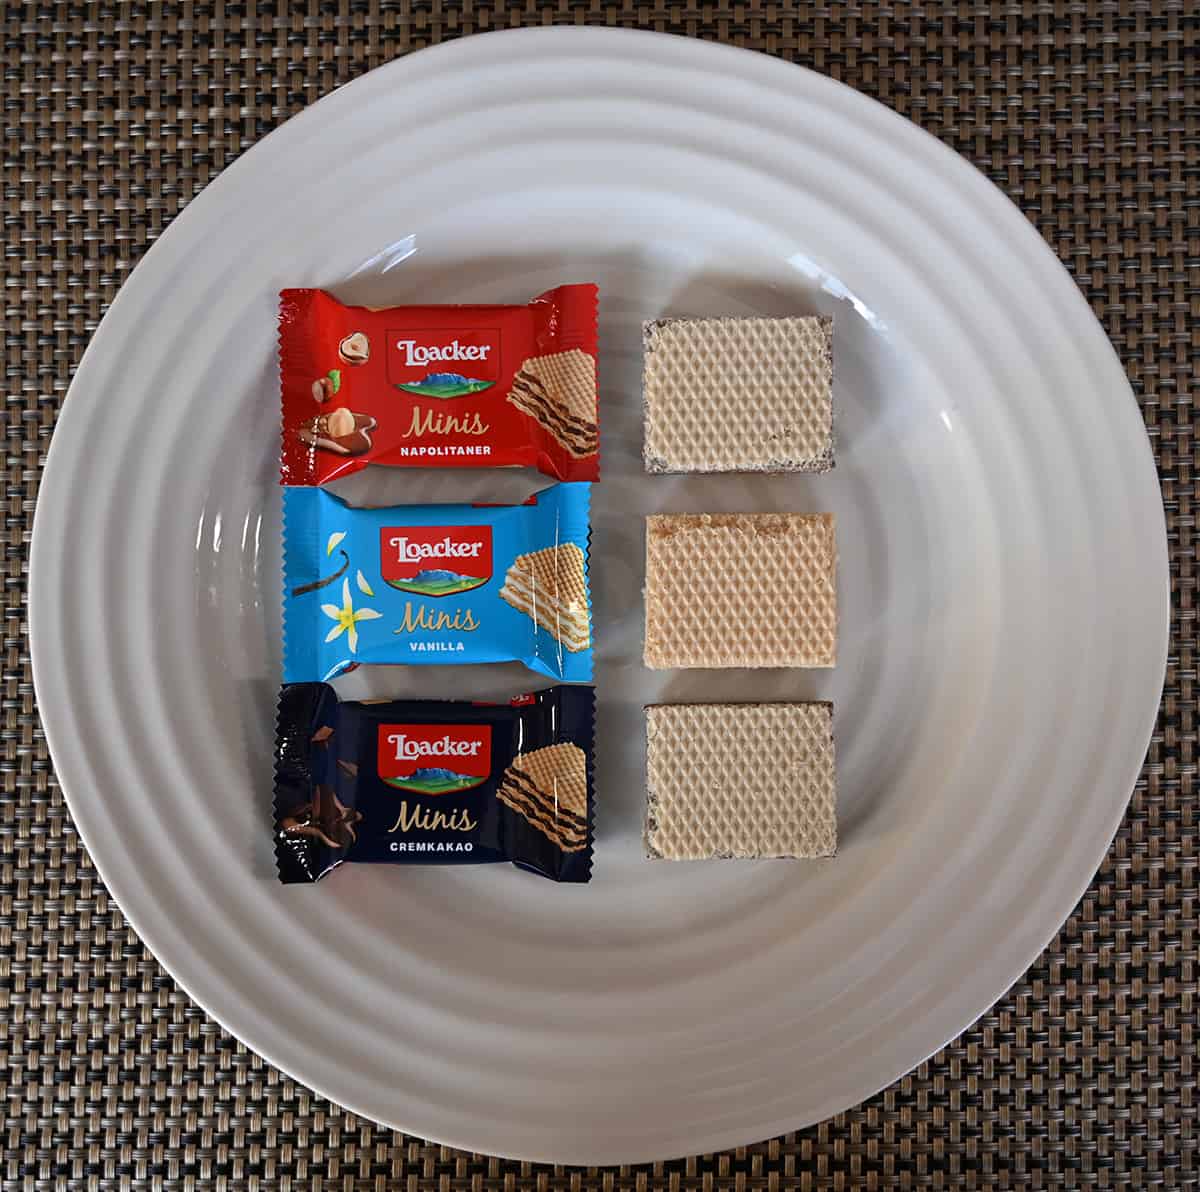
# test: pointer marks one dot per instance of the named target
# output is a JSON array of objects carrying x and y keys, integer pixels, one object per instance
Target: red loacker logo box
[
  {"x": 435, "y": 560},
  {"x": 434, "y": 759}
]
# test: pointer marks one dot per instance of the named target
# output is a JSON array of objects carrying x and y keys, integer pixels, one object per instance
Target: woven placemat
[{"x": 1086, "y": 114}]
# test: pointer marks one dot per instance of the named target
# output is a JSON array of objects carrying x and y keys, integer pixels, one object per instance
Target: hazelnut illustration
[
  {"x": 341, "y": 422},
  {"x": 355, "y": 348},
  {"x": 322, "y": 389}
]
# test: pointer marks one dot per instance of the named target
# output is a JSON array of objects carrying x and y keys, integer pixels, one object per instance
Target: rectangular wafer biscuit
[
  {"x": 550, "y": 586},
  {"x": 559, "y": 393},
  {"x": 740, "y": 590},
  {"x": 740, "y": 780},
  {"x": 548, "y": 789},
  {"x": 738, "y": 395}
]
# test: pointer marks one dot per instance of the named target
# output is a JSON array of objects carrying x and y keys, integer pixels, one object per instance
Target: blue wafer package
[{"x": 436, "y": 584}]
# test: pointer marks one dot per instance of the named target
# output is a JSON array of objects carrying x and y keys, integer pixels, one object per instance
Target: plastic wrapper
[
  {"x": 438, "y": 386},
  {"x": 434, "y": 782},
  {"x": 436, "y": 584}
]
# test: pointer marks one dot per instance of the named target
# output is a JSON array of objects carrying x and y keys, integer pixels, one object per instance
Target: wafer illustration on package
[
  {"x": 548, "y": 789},
  {"x": 559, "y": 393},
  {"x": 738, "y": 395},
  {"x": 740, "y": 780},
  {"x": 435, "y": 584},
  {"x": 444, "y": 386},
  {"x": 433, "y": 782},
  {"x": 542, "y": 810},
  {"x": 741, "y": 590},
  {"x": 550, "y": 587}
]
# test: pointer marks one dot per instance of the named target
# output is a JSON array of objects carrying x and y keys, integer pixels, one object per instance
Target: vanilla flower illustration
[{"x": 347, "y": 618}]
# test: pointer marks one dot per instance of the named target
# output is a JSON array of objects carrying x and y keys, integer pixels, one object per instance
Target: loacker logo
[
  {"x": 443, "y": 363},
  {"x": 435, "y": 560},
  {"x": 434, "y": 759},
  {"x": 415, "y": 354}
]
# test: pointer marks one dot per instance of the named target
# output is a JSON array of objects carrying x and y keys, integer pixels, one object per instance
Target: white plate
[{"x": 1003, "y": 578}]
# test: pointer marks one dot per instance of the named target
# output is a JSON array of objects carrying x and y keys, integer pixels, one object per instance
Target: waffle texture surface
[
  {"x": 738, "y": 395},
  {"x": 740, "y": 780},
  {"x": 741, "y": 590}
]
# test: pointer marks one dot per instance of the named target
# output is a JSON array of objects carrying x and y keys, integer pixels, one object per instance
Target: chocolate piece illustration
[
  {"x": 340, "y": 431},
  {"x": 326, "y": 818}
]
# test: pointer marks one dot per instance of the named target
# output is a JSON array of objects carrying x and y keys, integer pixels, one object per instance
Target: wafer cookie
[
  {"x": 738, "y": 395},
  {"x": 740, "y": 780},
  {"x": 740, "y": 590}
]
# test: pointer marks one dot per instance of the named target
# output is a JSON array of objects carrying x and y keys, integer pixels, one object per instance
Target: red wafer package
[{"x": 438, "y": 386}]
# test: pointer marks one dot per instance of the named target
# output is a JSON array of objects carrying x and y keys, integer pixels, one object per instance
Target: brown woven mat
[{"x": 1085, "y": 113}]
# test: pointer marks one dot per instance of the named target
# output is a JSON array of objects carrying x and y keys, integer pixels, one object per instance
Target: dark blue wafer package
[{"x": 434, "y": 782}]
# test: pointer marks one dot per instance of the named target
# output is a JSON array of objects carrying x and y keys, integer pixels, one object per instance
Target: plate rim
[{"x": 39, "y": 548}]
